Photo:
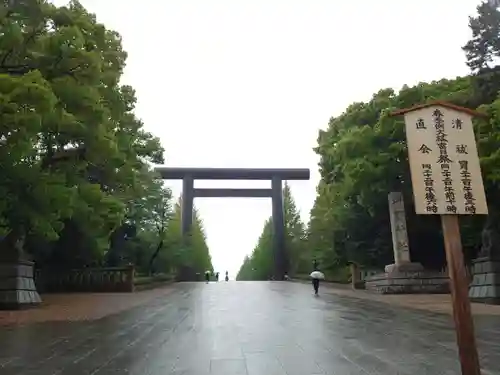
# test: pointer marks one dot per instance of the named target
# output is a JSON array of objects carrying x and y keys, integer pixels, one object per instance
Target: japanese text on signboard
[{"x": 446, "y": 175}]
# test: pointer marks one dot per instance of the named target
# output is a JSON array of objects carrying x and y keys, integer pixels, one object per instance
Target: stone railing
[
  {"x": 468, "y": 271},
  {"x": 424, "y": 282},
  {"x": 112, "y": 279},
  {"x": 359, "y": 275},
  {"x": 367, "y": 273}
]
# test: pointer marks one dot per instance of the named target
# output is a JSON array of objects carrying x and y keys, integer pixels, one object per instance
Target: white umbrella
[{"x": 317, "y": 275}]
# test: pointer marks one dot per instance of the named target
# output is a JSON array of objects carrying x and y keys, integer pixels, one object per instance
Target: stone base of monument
[
  {"x": 17, "y": 287},
  {"x": 485, "y": 285},
  {"x": 409, "y": 278},
  {"x": 404, "y": 267}
]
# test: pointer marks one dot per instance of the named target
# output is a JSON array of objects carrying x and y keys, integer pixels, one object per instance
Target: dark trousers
[{"x": 315, "y": 285}]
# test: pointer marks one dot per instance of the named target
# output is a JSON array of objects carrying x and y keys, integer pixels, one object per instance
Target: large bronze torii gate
[{"x": 277, "y": 176}]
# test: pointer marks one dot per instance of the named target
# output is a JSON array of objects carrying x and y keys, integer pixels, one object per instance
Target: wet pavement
[{"x": 248, "y": 328}]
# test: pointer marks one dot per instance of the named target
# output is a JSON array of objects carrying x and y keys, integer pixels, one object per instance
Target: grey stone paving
[{"x": 248, "y": 328}]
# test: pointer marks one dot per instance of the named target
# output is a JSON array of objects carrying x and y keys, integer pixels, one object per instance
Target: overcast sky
[{"x": 248, "y": 83}]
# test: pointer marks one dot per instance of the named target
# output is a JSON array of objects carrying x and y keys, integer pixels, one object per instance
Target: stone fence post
[
  {"x": 130, "y": 276},
  {"x": 357, "y": 282}
]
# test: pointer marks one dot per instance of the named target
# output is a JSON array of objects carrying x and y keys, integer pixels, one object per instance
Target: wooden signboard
[
  {"x": 444, "y": 163},
  {"x": 446, "y": 180}
]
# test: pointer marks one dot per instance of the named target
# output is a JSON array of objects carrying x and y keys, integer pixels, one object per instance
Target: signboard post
[{"x": 446, "y": 180}]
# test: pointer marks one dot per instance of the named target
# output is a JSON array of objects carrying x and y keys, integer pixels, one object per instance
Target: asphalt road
[{"x": 252, "y": 328}]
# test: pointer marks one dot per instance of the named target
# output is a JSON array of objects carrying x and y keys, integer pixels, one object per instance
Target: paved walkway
[
  {"x": 82, "y": 306},
  {"x": 247, "y": 328},
  {"x": 430, "y": 302}
]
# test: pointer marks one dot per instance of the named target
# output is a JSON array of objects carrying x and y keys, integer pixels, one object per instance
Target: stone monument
[
  {"x": 402, "y": 262},
  {"x": 404, "y": 276},
  {"x": 17, "y": 287},
  {"x": 485, "y": 285}
]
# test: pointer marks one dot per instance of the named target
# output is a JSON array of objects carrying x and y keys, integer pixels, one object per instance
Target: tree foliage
[
  {"x": 193, "y": 252},
  {"x": 363, "y": 157},
  {"x": 483, "y": 50},
  {"x": 259, "y": 265},
  {"x": 77, "y": 186}
]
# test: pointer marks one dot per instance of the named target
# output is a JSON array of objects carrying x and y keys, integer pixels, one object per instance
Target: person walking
[
  {"x": 315, "y": 283},
  {"x": 316, "y": 276},
  {"x": 227, "y": 276},
  {"x": 207, "y": 276}
]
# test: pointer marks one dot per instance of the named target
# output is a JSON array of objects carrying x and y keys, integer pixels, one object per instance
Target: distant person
[
  {"x": 316, "y": 276},
  {"x": 227, "y": 276},
  {"x": 315, "y": 283},
  {"x": 207, "y": 276},
  {"x": 286, "y": 276},
  {"x": 217, "y": 276}
]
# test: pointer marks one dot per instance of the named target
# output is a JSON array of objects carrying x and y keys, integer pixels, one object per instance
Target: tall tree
[
  {"x": 483, "y": 50},
  {"x": 364, "y": 157},
  {"x": 148, "y": 215},
  {"x": 77, "y": 187},
  {"x": 482, "y": 53},
  {"x": 190, "y": 254},
  {"x": 259, "y": 265},
  {"x": 83, "y": 147},
  {"x": 295, "y": 240}
]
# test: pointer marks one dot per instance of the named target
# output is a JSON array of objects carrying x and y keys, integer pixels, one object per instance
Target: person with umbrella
[
  {"x": 316, "y": 276},
  {"x": 207, "y": 276}
]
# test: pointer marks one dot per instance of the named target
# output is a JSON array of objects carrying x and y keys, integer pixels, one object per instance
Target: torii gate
[{"x": 277, "y": 176}]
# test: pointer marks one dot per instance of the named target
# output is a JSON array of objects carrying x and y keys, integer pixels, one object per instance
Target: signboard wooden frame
[{"x": 447, "y": 181}]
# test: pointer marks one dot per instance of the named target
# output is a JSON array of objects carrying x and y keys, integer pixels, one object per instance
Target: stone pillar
[
  {"x": 280, "y": 259},
  {"x": 402, "y": 261},
  {"x": 130, "y": 272},
  {"x": 355, "y": 279},
  {"x": 404, "y": 276},
  {"x": 485, "y": 285},
  {"x": 17, "y": 286},
  {"x": 187, "y": 205}
]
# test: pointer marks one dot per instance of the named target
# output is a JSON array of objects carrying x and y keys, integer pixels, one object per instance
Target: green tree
[
  {"x": 482, "y": 53},
  {"x": 259, "y": 266},
  {"x": 295, "y": 239},
  {"x": 321, "y": 232},
  {"x": 77, "y": 184},
  {"x": 484, "y": 47},
  {"x": 191, "y": 254},
  {"x": 199, "y": 254},
  {"x": 364, "y": 157},
  {"x": 149, "y": 213},
  {"x": 72, "y": 148},
  {"x": 33, "y": 199}
]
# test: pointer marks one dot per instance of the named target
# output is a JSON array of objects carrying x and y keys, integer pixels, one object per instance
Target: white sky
[{"x": 248, "y": 83}]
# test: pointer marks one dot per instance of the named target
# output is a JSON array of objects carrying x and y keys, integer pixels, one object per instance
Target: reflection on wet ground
[{"x": 259, "y": 328}]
